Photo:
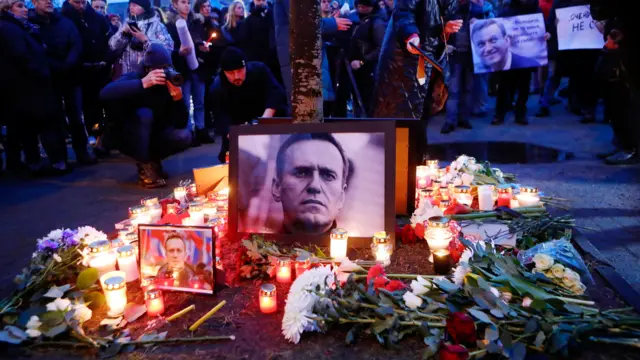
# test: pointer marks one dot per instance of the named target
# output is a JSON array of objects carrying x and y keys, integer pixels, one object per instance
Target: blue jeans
[
  {"x": 193, "y": 87},
  {"x": 551, "y": 86},
  {"x": 480, "y": 93},
  {"x": 460, "y": 87}
]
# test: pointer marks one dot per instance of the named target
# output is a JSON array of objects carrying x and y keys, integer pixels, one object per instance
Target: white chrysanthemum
[
  {"x": 467, "y": 254},
  {"x": 55, "y": 234},
  {"x": 89, "y": 234},
  {"x": 301, "y": 300},
  {"x": 466, "y": 179},
  {"x": 460, "y": 272},
  {"x": 58, "y": 305},
  {"x": 424, "y": 212}
]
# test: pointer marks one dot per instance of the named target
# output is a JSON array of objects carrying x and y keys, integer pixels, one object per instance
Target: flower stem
[
  {"x": 622, "y": 341},
  {"x": 576, "y": 301},
  {"x": 402, "y": 323}
]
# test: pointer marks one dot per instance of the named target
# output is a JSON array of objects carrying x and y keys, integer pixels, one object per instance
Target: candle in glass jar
[
  {"x": 114, "y": 286},
  {"x": 192, "y": 190},
  {"x": 148, "y": 283},
  {"x": 426, "y": 196},
  {"x": 303, "y": 263},
  {"x": 188, "y": 221},
  {"x": 180, "y": 194},
  {"x": 382, "y": 247},
  {"x": 422, "y": 177},
  {"x": 528, "y": 196},
  {"x": 283, "y": 274},
  {"x": 209, "y": 210},
  {"x": 128, "y": 263},
  {"x": 196, "y": 282},
  {"x": 441, "y": 262},
  {"x": 339, "y": 239},
  {"x": 462, "y": 193},
  {"x": 154, "y": 302},
  {"x": 444, "y": 191},
  {"x": 485, "y": 197},
  {"x": 268, "y": 298},
  {"x": 444, "y": 204},
  {"x": 154, "y": 208},
  {"x": 102, "y": 257},
  {"x": 222, "y": 199},
  {"x": 117, "y": 243},
  {"x": 196, "y": 213},
  {"x": 172, "y": 208},
  {"x": 433, "y": 168},
  {"x": 504, "y": 196},
  {"x": 437, "y": 233},
  {"x": 135, "y": 211}
]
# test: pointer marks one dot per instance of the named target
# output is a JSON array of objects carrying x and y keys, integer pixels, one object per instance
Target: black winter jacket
[
  {"x": 195, "y": 24},
  {"x": 94, "y": 30}
]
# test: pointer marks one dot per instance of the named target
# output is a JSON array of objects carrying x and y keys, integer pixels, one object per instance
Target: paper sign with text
[
  {"x": 503, "y": 44},
  {"x": 577, "y": 29}
]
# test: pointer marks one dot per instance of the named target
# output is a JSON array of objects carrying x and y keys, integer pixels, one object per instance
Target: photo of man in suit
[{"x": 493, "y": 46}]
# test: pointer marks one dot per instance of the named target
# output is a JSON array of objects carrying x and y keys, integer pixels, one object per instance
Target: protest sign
[
  {"x": 577, "y": 29},
  {"x": 503, "y": 44}
]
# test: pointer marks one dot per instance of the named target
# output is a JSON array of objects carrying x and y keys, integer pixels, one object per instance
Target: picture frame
[
  {"x": 378, "y": 150},
  {"x": 181, "y": 258}
]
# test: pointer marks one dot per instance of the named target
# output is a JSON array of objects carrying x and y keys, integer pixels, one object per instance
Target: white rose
[
  {"x": 526, "y": 302},
  {"x": 33, "y": 333},
  {"x": 347, "y": 265},
  {"x": 570, "y": 278},
  {"x": 543, "y": 262},
  {"x": 58, "y": 305},
  {"x": 558, "y": 270},
  {"x": 495, "y": 292},
  {"x": 579, "y": 289},
  {"x": 81, "y": 313},
  {"x": 467, "y": 179},
  {"x": 506, "y": 296},
  {"x": 34, "y": 323},
  {"x": 420, "y": 286},
  {"x": 411, "y": 300}
]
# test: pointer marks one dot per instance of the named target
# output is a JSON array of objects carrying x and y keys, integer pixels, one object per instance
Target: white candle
[
  {"x": 514, "y": 204},
  {"x": 382, "y": 248},
  {"x": 339, "y": 243},
  {"x": 142, "y": 219},
  {"x": 188, "y": 222},
  {"x": 128, "y": 263},
  {"x": 462, "y": 193},
  {"x": 528, "y": 196},
  {"x": 102, "y": 257},
  {"x": 209, "y": 210},
  {"x": 437, "y": 233},
  {"x": 180, "y": 193},
  {"x": 485, "y": 197},
  {"x": 115, "y": 292},
  {"x": 196, "y": 213},
  {"x": 154, "y": 209}
]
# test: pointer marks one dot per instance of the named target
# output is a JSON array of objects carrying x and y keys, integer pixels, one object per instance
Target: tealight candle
[
  {"x": 462, "y": 193},
  {"x": 172, "y": 208},
  {"x": 283, "y": 274},
  {"x": 268, "y": 298},
  {"x": 196, "y": 213},
  {"x": 117, "y": 243},
  {"x": 135, "y": 211},
  {"x": 441, "y": 262},
  {"x": 437, "y": 233},
  {"x": 222, "y": 199},
  {"x": 444, "y": 204},
  {"x": 197, "y": 282},
  {"x": 180, "y": 194},
  {"x": 102, "y": 257},
  {"x": 504, "y": 196},
  {"x": 128, "y": 263},
  {"x": 528, "y": 196},
  {"x": 209, "y": 210},
  {"x": 422, "y": 177},
  {"x": 339, "y": 239},
  {"x": 114, "y": 287},
  {"x": 382, "y": 247},
  {"x": 154, "y": 302},
  {"x": 302, "y": 264},
  {"x": 485, "y": 197},
  {"x": 148, "y": 283},
  {"x": 131, "y": 237},
  {"x": 154, "y": 208}
]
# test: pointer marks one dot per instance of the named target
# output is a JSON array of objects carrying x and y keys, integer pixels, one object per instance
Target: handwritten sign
[{"x": 577, "y": 29}]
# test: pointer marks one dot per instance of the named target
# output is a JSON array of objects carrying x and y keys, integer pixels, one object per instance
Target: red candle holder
[
  {"x": 504, "y": 196},
  {"x": 154, "y": 302},
  {"x": 283, "y": 274},
  {"x": 268, "y": 298}
]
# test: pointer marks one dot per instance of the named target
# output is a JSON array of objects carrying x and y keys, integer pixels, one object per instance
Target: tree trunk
[{"x": 306, "y": 60}]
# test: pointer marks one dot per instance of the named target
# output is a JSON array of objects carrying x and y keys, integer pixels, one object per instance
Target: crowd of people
[{"x": 159, "y": 81}]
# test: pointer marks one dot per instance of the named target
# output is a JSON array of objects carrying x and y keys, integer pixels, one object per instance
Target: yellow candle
[
  {"x": 181, "y": 312},
  {"x": 206, "y": 317}
]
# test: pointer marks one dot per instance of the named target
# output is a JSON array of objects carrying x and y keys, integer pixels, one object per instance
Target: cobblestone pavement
[{"x": 604, "y": 198}]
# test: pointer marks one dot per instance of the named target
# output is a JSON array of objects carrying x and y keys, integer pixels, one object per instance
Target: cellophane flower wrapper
[{"x": 562, "y": 252}]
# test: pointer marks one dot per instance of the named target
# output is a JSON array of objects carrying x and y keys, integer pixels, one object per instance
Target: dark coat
[
  {"x": 26, "y": 87},
  {"x": 94, "y": 31},
  {"x": 210, "y": 61},
  {"x": 368, "y": 34},
  {"x": 398, "y": 93},
  {"x": 260, "y": 44},
  {"x": 64, "y": 47},
  {"x": 235, "y": 105},
  {"x": 195, "y": 24},
  {"x": 552, "y": 44},
  {"x": 237, "y": 36}
]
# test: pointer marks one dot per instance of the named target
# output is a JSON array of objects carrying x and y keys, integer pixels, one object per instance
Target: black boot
[
  {"x": 160, "y": 170},
  {"x": 204, "y": 137},
  {"x": 148, "y": 177}
]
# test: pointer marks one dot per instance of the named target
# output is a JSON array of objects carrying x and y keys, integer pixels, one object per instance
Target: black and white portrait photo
[
  {"x": 311, "y": 183},
  {"x": 503, "y": 44}
]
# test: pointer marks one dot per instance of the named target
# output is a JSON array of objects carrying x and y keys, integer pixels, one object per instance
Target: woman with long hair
[{"x": 234, "y": 29}]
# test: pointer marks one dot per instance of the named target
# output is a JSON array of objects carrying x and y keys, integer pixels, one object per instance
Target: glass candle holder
[
  {"x": 209, "y": 209},
  {"x": 283, "y": 274},
  {"x": 131, "y": 237},
  {"x": 504, "y": 196},
  {"x": 135, "y": 211},
  {"x": 153, "y": 208},
  {"x": 444, "y": 191},
  {"x": 166, "y": 279},
  {"x": 382, "y": 247},
  {"x": 221, "y": 223},
  {"x": 462, "y": 193},
  {"x": 114, "y": 286},
  {"x": 422, "y": 177},
  {"x": 180, "y": 194},
  {"x": 102, "y": 257},
  {"x": 128, "y": 262},
  {"x": 222, "y": 200},
  {"x": 117, "y": 243},
  {"x": 173, "y": 208},
  {"x": 339, "y": 243},
  {"x": 197, "y": 282},
  {"x": 200, "y": 199},
  {"x": 268, "y": 298},
  {"x": 442, "y": 262},
  {"x": 189, "y": 221},
  {"x": 528, "y": 196},
  {"x": 154, "y": 302},
  {"x": 192, "y": 190},
  {"x": 485, "y": 197},
  {"x": 433, "y": 168},
  {"x": 196, "y": 213},
  {"x": 425, "y": 195},
  {"x": 302, "y": 264},
  {"x": 148, "y": 283},
  {"x": 437, "y": 233},
  {"x": 444, "y": 204}
]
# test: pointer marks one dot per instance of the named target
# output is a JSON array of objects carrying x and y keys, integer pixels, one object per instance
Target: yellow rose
[
  {"x": 543, "y": 262},
  {"x": 558, "y": 271}
]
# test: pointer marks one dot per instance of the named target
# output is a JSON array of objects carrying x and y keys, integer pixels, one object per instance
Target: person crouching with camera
[{"x": 152, "y": 115}]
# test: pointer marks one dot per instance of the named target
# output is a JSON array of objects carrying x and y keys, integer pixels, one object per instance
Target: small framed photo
[
  {"x": 298, "y": 182},
  {"x": 181, "y": 258}
]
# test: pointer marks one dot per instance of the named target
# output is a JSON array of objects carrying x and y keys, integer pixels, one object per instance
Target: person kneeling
[{"x": 152, "y": 116}]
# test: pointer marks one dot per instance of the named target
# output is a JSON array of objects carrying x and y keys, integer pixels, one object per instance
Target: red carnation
[
  {"x": 456, "y": 248},
  {"x": 380, "y": 282},
  {"x": 375, "y": 272},
  {"x": 419, "y": 231},
  {"x": 408, "y": 235},
  {"x": 461, "y": 328},
  {"x": 395, "y": 285},
  {"x": 453, "y": 352}
]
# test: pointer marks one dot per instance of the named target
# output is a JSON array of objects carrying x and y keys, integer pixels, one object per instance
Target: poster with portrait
[
  {"x": 302, "y": 180},
  {"x": 577, "y": 29},
  {"x": 504, "y": 44},
  {"x": 179, "y": 257}
]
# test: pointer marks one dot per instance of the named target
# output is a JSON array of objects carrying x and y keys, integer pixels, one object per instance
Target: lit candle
[
  {"x": 268, "y": 298},
  {"x": 485, "y": 197},
  {"x": 441, "y": 262},
  {"x": 504, "y": 196},
  {"x": 188, "y": 221},
  {"x": 441, "y": 173},
  {"x": 514, "y": 204},
  {"x": 117, "y": 243},
  {"x": 196, "y": 213},
  {"x": 192, "y": 190},
  {"x": 302, "y": 264},
  {"x": 131, "y": 237},
  {"x": 102, "y": 257},
  {"x": 528, "y": 196},
  {"x": 382, "y": 247},
  {"x": 154, "y": 208},
  {"x": 339, "y": 239},
  {"x": 172, "y": 208},
  {"x": 154, "y": 302},
  {"x": 222, "y": 199},
  {"x": 135, "y": 211},
  {"x": 114, "y": 286},
  {"x": 437, "y": 233},
  {"x": 462, "y": 193},
  {"x": 180, "y": 194},
  {"x": 444, "y": 204},
  {"x": 209, "y": 210},
  {"x": 283, "y": 274},
  {"x": 166, "y": 279},
  {"x": 148, "y": 283},
  {"x": 422, "y": 177},
  {"x": 196, "y": 282},
  {"x": 425, "y": 195},
  {"x": 433, "y": 168},
  {"x": 128, "y": 263},
  {"x": 444, "y": 190}
]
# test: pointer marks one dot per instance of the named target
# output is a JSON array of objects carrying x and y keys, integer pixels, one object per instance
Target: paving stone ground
[{"x": 604, "y": 198}]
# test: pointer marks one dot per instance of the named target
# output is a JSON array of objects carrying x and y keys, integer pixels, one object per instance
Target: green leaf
[
  {"x": 491, "y": 333},
  {"x": 56, "y": 330},
  {"x": 382, "y": 325},
  {"x": 531, "y": 327},
  {"x": 494, "y": 348},
  {"x": 505, "y": 339},
  {"x": 96, "y": 300},
  {"x": 480, "y": 316},
  {"x": 87, "y": 278},
  {"x": 497, "y": 313},
  {"x": 433, "y": 345},
  {"x": 559, "y": 341},
  {"x": 573, "y": 308},
  {"x": 518, "y": 352},
  {"x": 26, "y": 315},
  {"x": 51, "y": 319},
  {"x": 384, "y": 311},
  {"x": 539, "y": 339},
  {"x": 112, "y": 350},
  {"x": 446, "y": 285},
  {"x": 538, "y": 304}
]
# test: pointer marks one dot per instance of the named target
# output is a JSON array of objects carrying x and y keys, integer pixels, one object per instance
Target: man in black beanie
[
  {"x": 243, "y": 92},
  {"x": 153, "y": 117}
]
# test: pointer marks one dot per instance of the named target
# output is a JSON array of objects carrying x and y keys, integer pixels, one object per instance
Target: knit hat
[
  {"x": 145, "y": 4},
  {"x": 156, "y": 57},
  {"x": 232, "y": 59},
  {"x": 371, "y": 3}
]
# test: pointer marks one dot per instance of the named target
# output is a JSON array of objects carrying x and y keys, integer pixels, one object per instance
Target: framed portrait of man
[
  {"x": 181, "y": 258},
  {"x": 297, "y": 182}
]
